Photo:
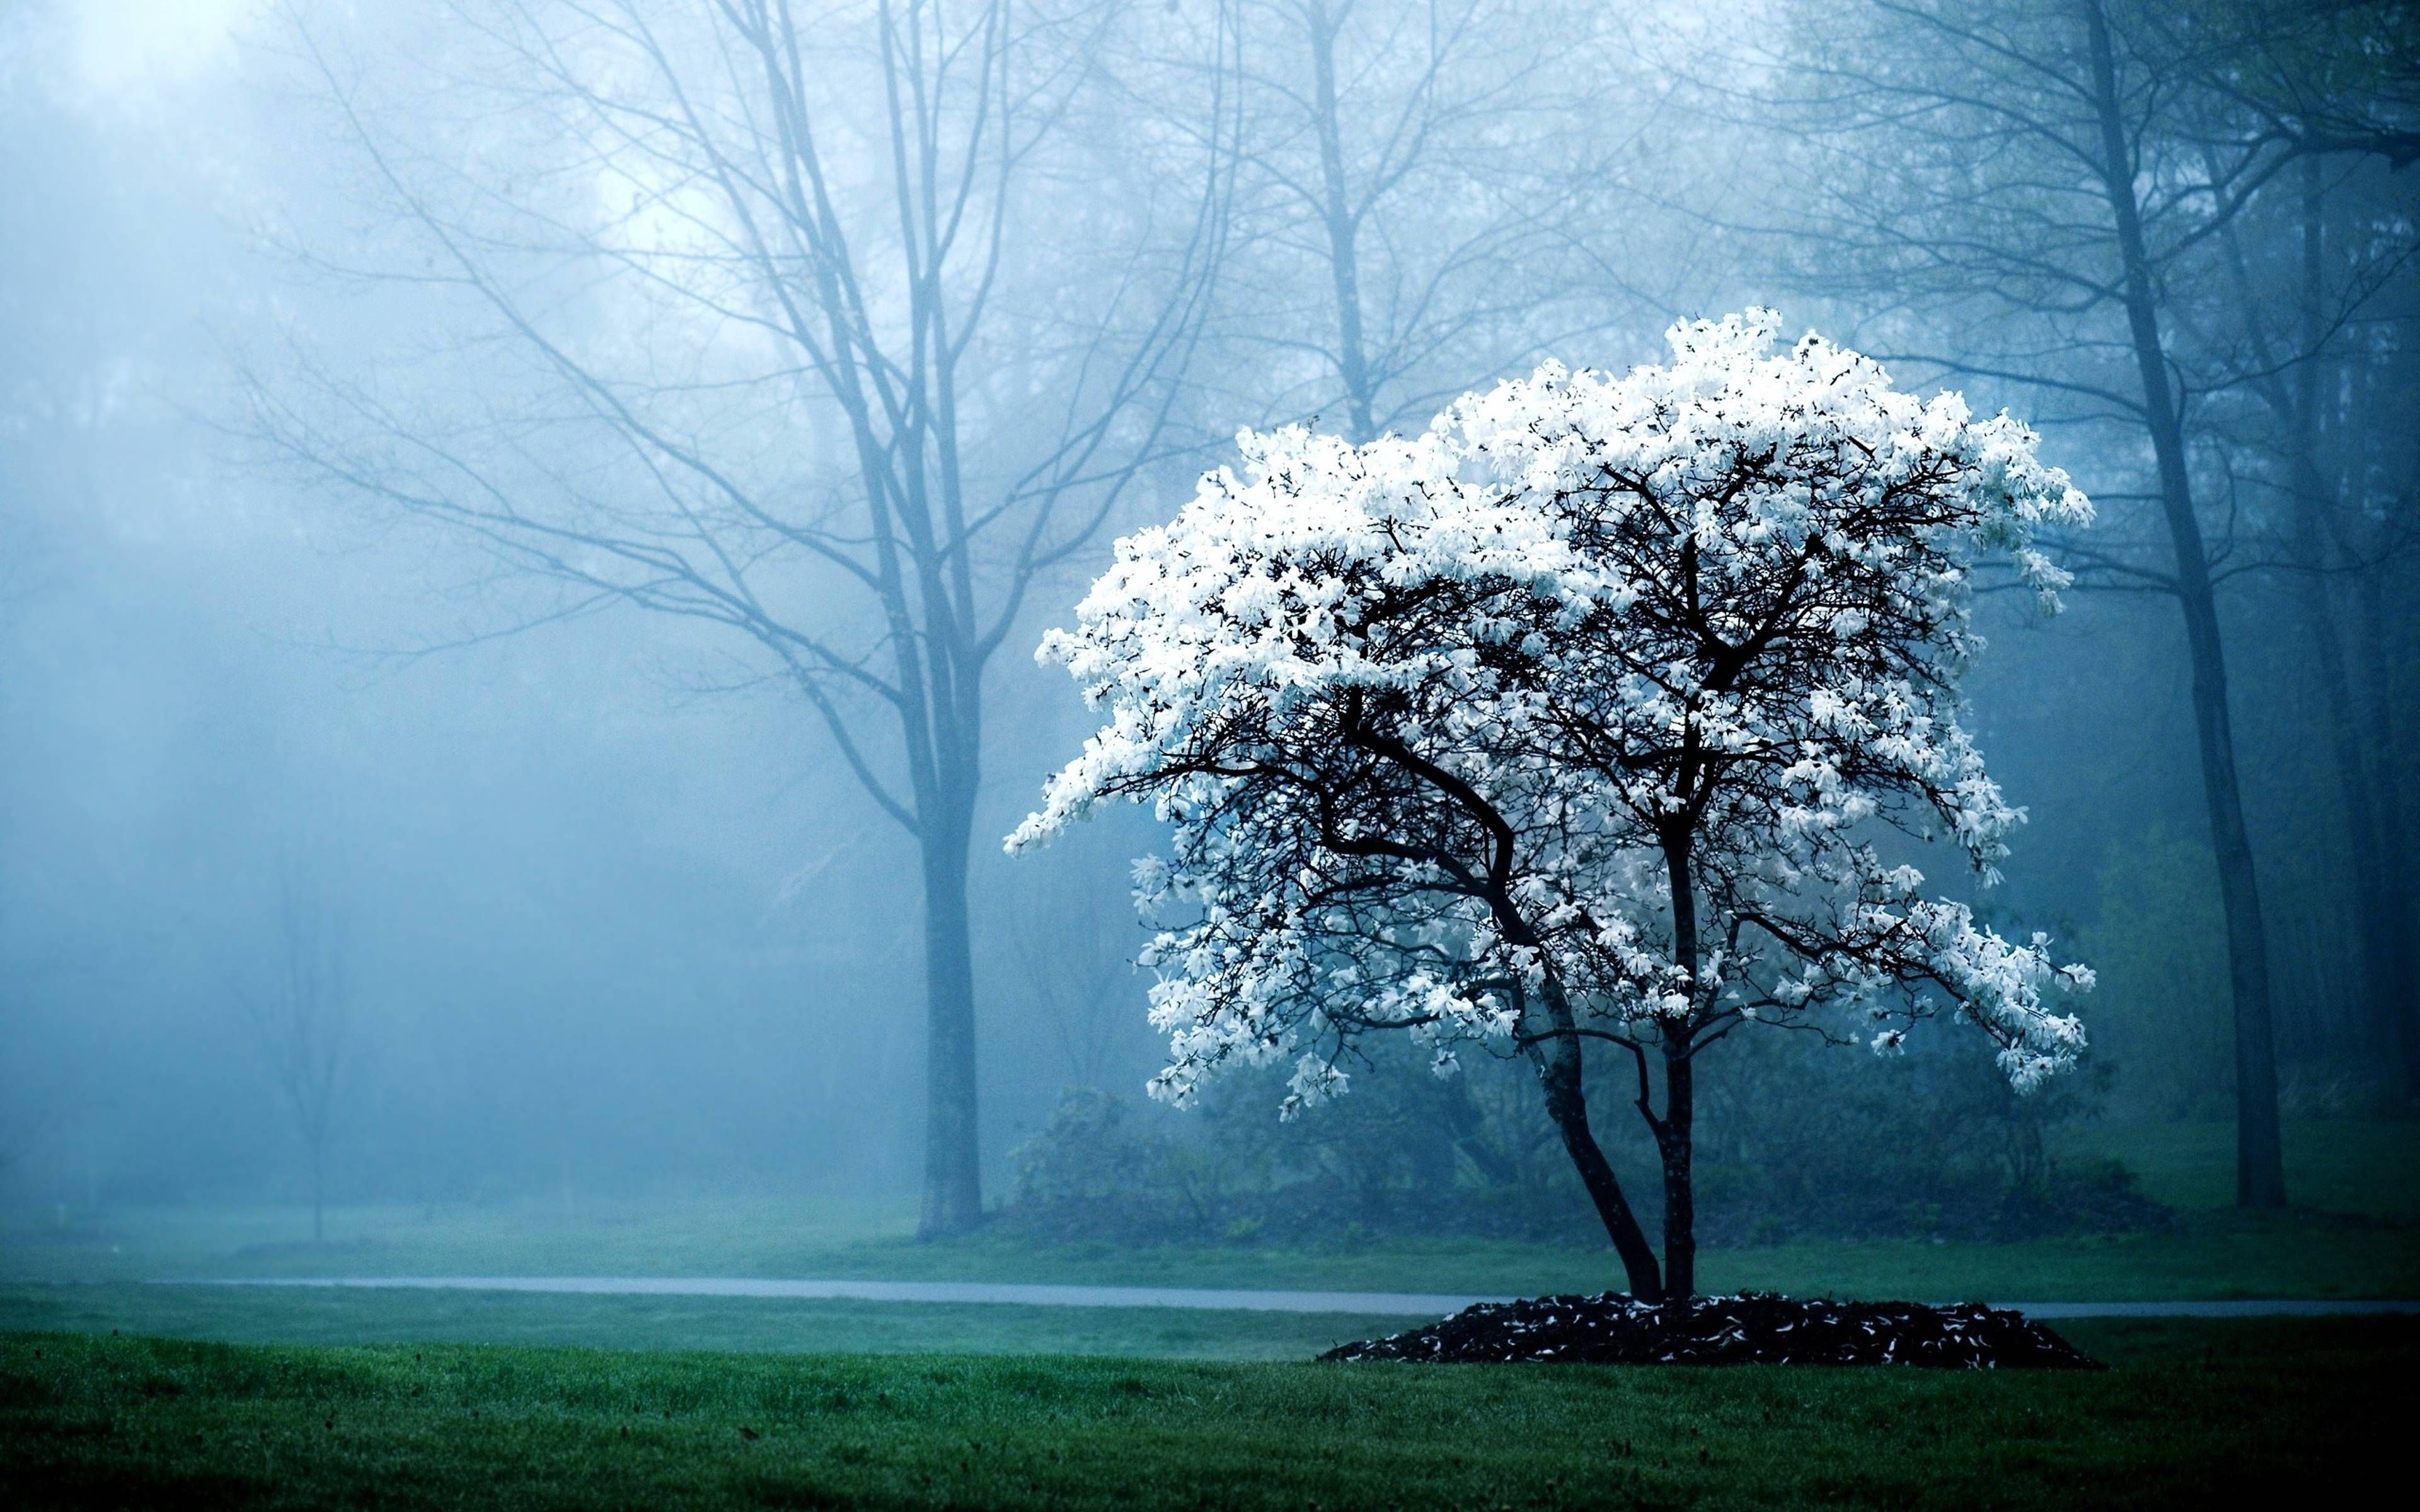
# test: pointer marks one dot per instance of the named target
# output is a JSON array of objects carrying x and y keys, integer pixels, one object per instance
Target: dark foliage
[
  {"x": 1813, "y": 1141},
  {"x": 1752, "y": 1328},
  {"x": 1848, "y": 1146}
]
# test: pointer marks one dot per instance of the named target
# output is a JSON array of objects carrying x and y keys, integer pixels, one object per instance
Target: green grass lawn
[
  {"x": 2348, "y": 1166},
  {"x": 286, "y": 1316},
  {"x": 2192, "y": 1413},
  {"x": 410, "y": 1399},
  {"x": 2211, "y": 1254}
]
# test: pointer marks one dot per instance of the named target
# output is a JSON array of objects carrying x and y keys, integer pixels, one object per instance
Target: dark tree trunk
[
  {"x": 1676, "y": 1131},
  {"x": 1675, "y": 1142},
  {"x": 2373, "y": 888},
  {"x": 2259, "y": 1167},
  {"x": 2378, "y": 892},
  {"x": 953, "y": 1166},
  {"x": 2259, "y": 1170},
  {"x": 1556, "y": 1055},
  {"x": 2397, "y": 994},
  {"x": 2402, "y": 1001},
  {"x": 1559, "y": 1075}
]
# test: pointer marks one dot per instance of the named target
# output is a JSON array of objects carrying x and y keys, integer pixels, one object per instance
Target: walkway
[{"x": 1388, "y": 1303}]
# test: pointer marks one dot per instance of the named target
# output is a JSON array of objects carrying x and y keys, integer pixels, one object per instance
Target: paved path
[
  {"x": 2233, "y": 1307},
  {"x": 1391, "y": 1303}
]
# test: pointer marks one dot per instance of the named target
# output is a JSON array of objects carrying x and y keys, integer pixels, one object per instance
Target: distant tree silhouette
[{"x": 302, "y": 1021}]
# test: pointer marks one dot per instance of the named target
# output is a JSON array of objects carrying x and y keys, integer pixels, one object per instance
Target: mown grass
[
  {"x": 291, "y": 1315},
  {"x": 2367, "y": 1167},
  {"x": 2192, "y": 1412},
  {"x": 2208, "y": 1255}
]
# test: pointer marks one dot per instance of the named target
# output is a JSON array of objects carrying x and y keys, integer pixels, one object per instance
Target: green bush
[{"x": 1797, "y": 1139}]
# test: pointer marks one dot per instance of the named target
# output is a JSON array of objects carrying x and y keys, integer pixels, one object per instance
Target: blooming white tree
[{"x": 1584, "y": 717}]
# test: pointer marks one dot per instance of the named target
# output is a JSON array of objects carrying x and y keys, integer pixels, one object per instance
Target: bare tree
[
  {"x": 2302, "y": 297},
  {"x": 1411, "y": 191},
  {"x": 1078, "y": 966},
  {"x": 814, "y": 343},
  {"x": 303, "y": 1020},
  {"x": 2023, "y": 194}
]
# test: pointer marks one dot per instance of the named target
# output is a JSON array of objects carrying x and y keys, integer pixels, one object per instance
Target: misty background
[{"x": 606, "y": 907}]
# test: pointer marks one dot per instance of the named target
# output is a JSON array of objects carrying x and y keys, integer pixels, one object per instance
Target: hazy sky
[{"x": 120, "y": 51}]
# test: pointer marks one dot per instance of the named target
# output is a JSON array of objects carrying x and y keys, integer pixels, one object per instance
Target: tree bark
[
  {"x": 1675, "y": 1142},
  {"x": 952, "y": 1165},
  {"x": 1558, "y": 1076},
  {"x": 1676, "y": 1131},
  {"x": 2395, "y": 903},
  {"x": 1561, "y": 1065},
  {"x": 2260, "y": 1173}
]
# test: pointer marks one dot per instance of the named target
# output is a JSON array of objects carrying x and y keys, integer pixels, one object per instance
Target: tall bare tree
[
  {"x": 837, "y": 332},
  {"x": 2022, "y": 193}
]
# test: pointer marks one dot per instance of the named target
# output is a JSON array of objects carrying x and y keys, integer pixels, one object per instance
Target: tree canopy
[{"x": 1591, "y": 714}]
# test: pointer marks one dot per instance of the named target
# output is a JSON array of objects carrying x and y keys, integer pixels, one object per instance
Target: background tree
[
  {"x": 1583, "y": 718},
  {"x": 1407, "y": 198},
  {"x": 1078, "y": 962},
  {"x": 2296, "y": 309},
  {"x": 303, "y": 1022},
  {"x": 2030, "y": 194},
  {"x": 776, "y": 336}
]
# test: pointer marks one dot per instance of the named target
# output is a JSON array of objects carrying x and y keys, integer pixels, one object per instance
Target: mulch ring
[{"x": 1752, "y": 1328}]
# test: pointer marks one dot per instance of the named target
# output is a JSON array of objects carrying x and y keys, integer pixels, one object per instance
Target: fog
[{"x": 436, "y": 583}]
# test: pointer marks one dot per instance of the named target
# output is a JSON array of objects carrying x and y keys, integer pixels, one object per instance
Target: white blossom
[{"x": 1434, "y": 719}]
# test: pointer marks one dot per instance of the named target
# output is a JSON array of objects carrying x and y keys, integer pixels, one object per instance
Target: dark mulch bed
[{"x": 1753, "y": 1328}]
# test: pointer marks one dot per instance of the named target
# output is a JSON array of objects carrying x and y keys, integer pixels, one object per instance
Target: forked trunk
[
  {"x": 1568, "y": 1106},
  {"x": 1559, "y": 1064}
]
